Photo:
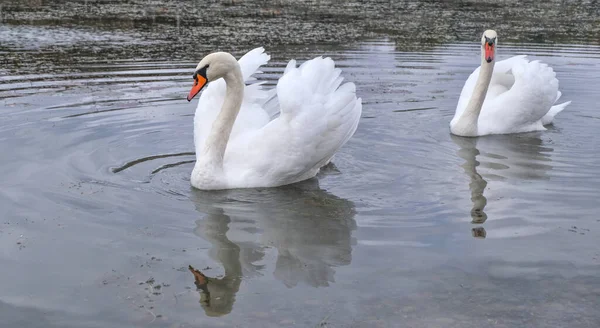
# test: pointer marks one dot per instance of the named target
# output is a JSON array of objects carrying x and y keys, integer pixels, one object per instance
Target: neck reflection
[{"x": 468, "y": 151}]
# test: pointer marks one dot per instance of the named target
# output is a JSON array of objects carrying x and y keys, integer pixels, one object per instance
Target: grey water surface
[{"x": 410, "y": 226}]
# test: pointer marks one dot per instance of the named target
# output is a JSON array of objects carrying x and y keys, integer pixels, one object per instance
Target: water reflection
[
  {"x": 468, "y": 151},
  {"x": 519, "y": 157},
  {"x": 310, "y": 228}
]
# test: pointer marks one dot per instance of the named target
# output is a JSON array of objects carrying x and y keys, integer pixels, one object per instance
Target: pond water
[{"x": 410, "y": 227}]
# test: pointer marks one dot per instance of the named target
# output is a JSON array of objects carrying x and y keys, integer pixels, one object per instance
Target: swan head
[
  {"x": 489, "y": 40},
  {"x": 212, "y": 67}
]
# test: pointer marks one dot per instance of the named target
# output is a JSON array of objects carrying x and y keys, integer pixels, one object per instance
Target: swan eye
[{"x": 201, "y": 72}]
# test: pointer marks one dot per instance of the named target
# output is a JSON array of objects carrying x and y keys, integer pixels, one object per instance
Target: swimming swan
[
  {"x": 510, "y": 96},
  {"x": 247, "y": 137}
]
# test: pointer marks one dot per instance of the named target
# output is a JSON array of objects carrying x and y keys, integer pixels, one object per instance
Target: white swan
[
  {"x": 247, "y": 137},
  {"x": 510, "y": 96}
]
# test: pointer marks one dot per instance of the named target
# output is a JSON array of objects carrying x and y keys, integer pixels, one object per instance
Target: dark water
[{"x": 411, "y": 227}]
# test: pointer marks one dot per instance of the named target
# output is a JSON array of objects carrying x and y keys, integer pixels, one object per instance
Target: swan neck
[
  {"x": 216, "y": 142},
  {"x": 469, "y": 117}
]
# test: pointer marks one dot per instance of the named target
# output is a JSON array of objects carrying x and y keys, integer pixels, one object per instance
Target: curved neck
[
  {"x": 467, "y": 123},
  {"x": 216, "y": 142}
]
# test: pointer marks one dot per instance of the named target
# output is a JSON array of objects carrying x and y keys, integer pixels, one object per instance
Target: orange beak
[
  {"x": 489, "y": 52},
  {"x": 199, "y": 83}
]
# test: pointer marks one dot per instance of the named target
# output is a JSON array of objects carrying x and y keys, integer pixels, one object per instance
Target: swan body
[
  {"x": 248, "y": 137},
  {"x": 510, "y": 96}
]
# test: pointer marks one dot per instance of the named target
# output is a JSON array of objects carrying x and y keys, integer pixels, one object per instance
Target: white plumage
[
  {"x": 521, "y": 97},
  {"x": 280, "y": 136}
]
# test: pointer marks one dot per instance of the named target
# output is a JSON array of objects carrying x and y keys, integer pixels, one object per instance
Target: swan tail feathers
[{"x": 549, "y": 117}]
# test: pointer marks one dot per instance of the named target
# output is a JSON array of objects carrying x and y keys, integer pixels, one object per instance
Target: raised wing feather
[
  {"x": 522, "y": 107},
  {"x": 317, "y": 117}
]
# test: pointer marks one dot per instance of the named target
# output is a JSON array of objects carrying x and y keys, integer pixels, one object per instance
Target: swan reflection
[
  {"x": 310, "y": 228},
  {"x": 502, "y": 157}
]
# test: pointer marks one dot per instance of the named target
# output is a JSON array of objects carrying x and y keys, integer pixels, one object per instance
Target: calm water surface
[{"x": 411, "y": 227}]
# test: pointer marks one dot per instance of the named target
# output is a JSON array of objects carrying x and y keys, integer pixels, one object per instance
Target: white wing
[
  {"x": 520, "y": 97},
  {"x": 522, "y": 107},
  {"x": 317, "y": 116}
]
